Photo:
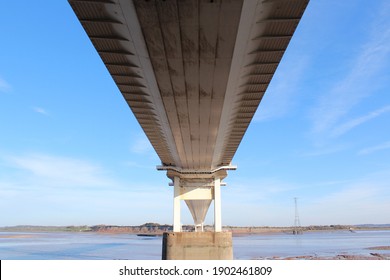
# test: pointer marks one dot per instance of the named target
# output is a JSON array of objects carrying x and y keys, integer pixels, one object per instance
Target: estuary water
[{"x": 97, "y": 246}]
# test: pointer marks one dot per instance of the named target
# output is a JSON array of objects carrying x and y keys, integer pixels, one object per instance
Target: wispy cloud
[
  {"x": 347, "y": 126},
  {"x": 251, "y": 192},
  {"x": 258, "y": 202},
  {"x": 50, "y": 189},
  {"x": 140, "y": 144},
  {"x": 354, "y": 205},
  {"x": 322, "y": 151},
  {"x": 40, "y": 111},
  {"x": 134, "y": 164},
  {"x": 4, "y": 85},
  {"x": 363, "y": 199},
  {"x": 358, "y": 83},
  {"x": 55, "y": 171},
  {"x": 369, "y": 150},
  {"x": 279, "y": 99}
]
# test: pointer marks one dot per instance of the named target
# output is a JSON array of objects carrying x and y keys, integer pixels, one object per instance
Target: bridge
[{"x": 193, "y": 72}]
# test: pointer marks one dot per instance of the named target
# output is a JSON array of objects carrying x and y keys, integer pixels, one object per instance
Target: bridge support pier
[
  {"x": 198, "y": 188},
  {"x": 198, "y": 195},
  {"x": 197, "y": 246},
  {"x": 176, "y": 205},
  {"x": 217, "y": 205}
]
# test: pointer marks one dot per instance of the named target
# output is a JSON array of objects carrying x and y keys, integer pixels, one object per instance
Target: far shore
[{"x": 157, "y": 229}]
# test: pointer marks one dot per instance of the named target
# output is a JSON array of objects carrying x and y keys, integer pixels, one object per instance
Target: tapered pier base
[{"x": 197, "y": 246}]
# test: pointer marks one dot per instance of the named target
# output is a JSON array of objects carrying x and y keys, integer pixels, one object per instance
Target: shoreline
[
  {"x": 346, "y": 256},
  {"x": 236, "y": 231},
  {"x": 155, "y": 228}
]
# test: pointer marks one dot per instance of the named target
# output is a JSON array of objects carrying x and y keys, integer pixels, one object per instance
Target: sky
[{"x": 72, "y": 153}]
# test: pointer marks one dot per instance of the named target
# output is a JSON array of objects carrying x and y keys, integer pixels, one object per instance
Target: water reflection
[{"x": 96, "y": 246}]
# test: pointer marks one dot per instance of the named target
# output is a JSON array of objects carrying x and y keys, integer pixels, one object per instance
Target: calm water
[{"x": 94, "y": 246}]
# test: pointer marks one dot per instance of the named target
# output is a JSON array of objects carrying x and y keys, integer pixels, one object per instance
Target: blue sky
[{"x": 71, "y": 152}]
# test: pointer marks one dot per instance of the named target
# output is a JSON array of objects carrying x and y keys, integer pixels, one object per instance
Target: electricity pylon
[{"x": 297, "y": 223}]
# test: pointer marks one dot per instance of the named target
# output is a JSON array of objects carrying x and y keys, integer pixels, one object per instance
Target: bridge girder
[{"x": 192, "y": 71}]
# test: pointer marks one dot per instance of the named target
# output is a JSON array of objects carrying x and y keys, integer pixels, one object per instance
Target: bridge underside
[{"x": 193, "y": 73}]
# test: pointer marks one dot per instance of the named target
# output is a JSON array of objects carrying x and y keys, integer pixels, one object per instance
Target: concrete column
[
  {"x": 176, "y": 205},
  {"x": 217, "y": 205},
  {"x": 197, "y": 246}
]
